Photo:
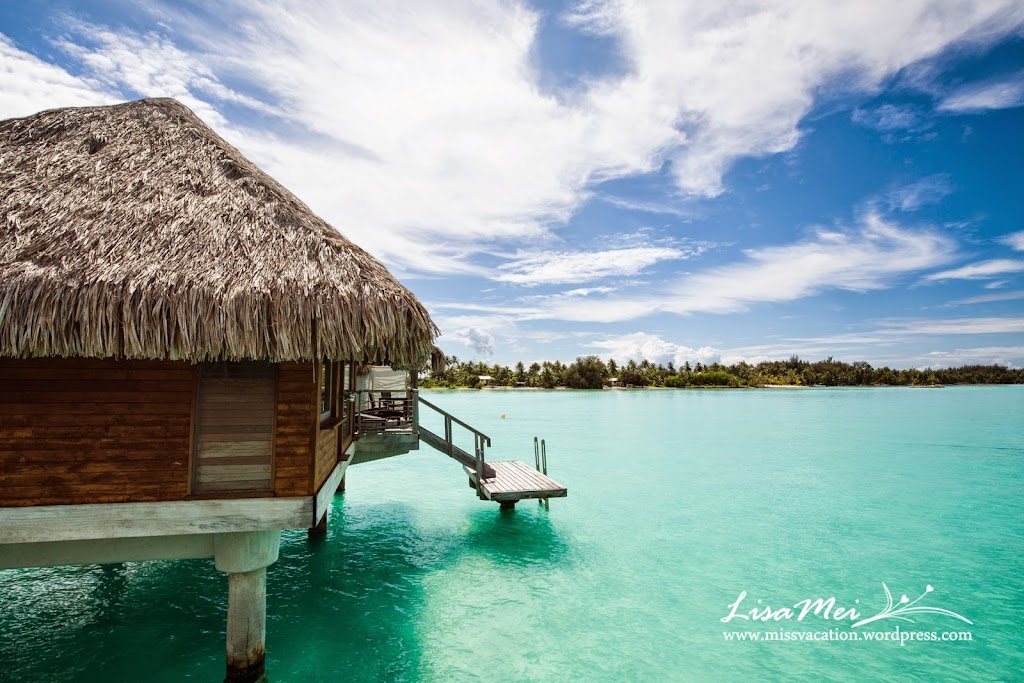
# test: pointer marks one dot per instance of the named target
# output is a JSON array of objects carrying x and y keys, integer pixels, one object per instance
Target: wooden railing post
[
  {"x": 446, "y": 444},
  {"x": 479, "y": 443},
  {"x": 415, "y": 397}
]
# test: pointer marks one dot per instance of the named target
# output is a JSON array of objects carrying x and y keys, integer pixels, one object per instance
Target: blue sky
[{"x": 670, "y": 180}]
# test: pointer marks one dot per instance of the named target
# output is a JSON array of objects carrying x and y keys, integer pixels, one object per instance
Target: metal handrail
[
  {"x": 449, "y": 417},
  {"x": 480, "y": 440},
  {"x": 540, "y": 458}
]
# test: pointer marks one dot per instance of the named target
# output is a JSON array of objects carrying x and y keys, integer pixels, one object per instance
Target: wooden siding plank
[{"x": 75, "y": 429}]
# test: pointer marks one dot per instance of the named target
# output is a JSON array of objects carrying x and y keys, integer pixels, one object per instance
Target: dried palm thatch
[
  {"x": 438, "y": 361},
  {"x": 135, "y": 231}
]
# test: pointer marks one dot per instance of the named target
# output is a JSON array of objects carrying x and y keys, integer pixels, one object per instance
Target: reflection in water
[
  {"x": 624, "y": 580},
  {"x": 516, "y": 537},
  {"x": 355, "y": 594},
  {"x": 102, "y": 622}
]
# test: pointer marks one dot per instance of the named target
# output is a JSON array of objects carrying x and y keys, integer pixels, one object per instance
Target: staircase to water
[{"x": 505, "y": 482}]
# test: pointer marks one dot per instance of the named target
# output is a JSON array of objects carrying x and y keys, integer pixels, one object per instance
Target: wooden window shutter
[{"x": 234, "y": 440}]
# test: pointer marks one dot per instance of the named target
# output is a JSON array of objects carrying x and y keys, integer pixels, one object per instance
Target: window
[
  {"x": 348, "y": 405},
  {"x": 328, "y": 389}
]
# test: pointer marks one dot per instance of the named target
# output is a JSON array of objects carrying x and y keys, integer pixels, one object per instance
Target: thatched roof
[
  {"x": 438, "y": 361},
  {"x": 135, "y": 231}
]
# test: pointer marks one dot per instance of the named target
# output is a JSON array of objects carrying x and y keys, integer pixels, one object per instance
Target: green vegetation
[{"x": 591, "y": 372}]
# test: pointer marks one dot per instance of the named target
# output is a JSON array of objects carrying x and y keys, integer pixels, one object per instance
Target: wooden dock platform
[{"x": 514, "y": 480}]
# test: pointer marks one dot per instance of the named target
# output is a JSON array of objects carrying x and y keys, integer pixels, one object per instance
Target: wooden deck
[{"x": 515, "y": 480}]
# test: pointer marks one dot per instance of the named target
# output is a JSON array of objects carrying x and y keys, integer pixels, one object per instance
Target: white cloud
[
  {"x": 151, "y": 65},
  {"x": 979, "y": 271},
  {"x": 1015, "y": 240},
  {"x": 807, "y": 350},
  {"x": 1004, "y": 93},
  {"x": 641, "y": 346},
  {"x": 661, "y": 208},
  {"x": 869, "y": 258},
  {"x": 30, "y": 84},
  {"x": 479, "y": 340},
  {"x": 583, "y": 266},
  {"x": 955, "y": 326},
  {"x": 1010, "y": 356},
  {"x": 929, "y": 190},
  {"x": 893, "y": 342},
  {"x": 988, "y": 298},
  {"x": 421, "y": 132},
  {"x": 889, "y": 117},
  {"x": 534, "y": 299},
  {"x": 713, "y": 82}
]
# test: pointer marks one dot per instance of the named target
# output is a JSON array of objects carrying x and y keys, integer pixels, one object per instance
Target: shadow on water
[
  {"x": 154, "y": 621},
  {"x": 347, "y": 605},
  {"x": 343, "y": 606},
  {"x": 516, "y": 537},
  {"x": 351, "y": 604}
]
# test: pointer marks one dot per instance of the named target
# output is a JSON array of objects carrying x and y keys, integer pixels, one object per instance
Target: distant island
[{"x": 591, "y": 372}]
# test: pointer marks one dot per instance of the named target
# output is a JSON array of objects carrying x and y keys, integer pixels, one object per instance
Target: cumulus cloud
[
  {"x": 642, "y": 346},
  {"x": 979, "y": 271},
  {"x": 718, "y": 81},
  {"x": 479, "y": 340}
]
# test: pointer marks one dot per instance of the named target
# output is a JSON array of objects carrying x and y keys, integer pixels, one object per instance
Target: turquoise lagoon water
[{"x": 679, "y": 501}]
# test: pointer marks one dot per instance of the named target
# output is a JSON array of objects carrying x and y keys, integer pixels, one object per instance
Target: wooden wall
[
  {"x": 75, "y": 431},
  {"x": 298, "y": 422},
  {"x": 334, "y": 437},
  {"x": 327, "y": 456},
  {"x": 94, "y": 431}
]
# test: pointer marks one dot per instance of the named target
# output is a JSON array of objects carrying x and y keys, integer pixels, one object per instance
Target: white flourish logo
[{"x": 898, "y": 611}]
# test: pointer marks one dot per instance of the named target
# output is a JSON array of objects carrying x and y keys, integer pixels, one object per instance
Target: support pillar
[
  {"x": 247, "y": 626},
  {"x": 508, "y": 504},
  {"x": 341, "y": 485},
  {"x": 320, "y": 530},
  {"x": 245, "y": 557}
]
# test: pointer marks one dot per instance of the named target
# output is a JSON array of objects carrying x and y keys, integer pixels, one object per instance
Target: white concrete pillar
[
  {"x": 247, "y": 626},
  {"x": 245, "y": 556}
]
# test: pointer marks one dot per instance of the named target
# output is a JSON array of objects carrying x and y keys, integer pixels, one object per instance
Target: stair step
[{"x": 465, "y": 458}]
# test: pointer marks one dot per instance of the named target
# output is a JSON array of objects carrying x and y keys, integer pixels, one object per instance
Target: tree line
[{"x": 590, "y": 372}]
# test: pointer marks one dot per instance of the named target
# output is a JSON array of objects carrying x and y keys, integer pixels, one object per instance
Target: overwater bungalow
[{"x": 179, "y": 344}]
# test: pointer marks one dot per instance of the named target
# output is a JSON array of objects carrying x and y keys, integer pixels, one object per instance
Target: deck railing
[
  {"x": 477, "y": 461},
  {"x": 378, "y": 412},
  {"x": 398, "y": 412}
]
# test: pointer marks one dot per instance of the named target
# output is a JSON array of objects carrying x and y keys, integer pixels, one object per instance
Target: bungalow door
[{"x": 234, "y": 428}]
